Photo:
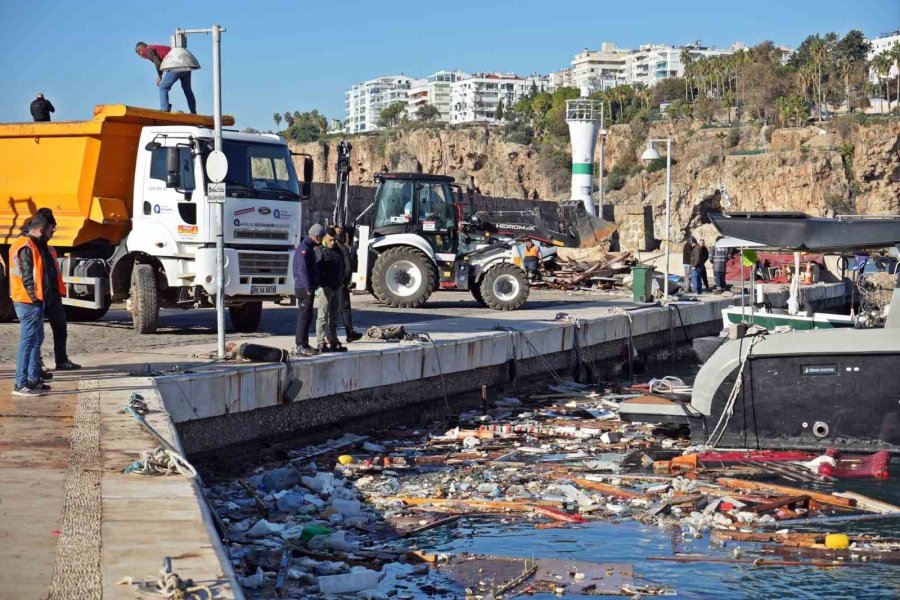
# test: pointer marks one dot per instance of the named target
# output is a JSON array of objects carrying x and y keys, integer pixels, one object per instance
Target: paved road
[{"x": 114, "y": 334}]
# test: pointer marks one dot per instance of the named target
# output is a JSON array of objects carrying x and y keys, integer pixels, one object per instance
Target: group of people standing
[
  {"x": 695, "y": 255},
  {"x": 36, "y": 288},
  {"x": 322, "y": 274}
]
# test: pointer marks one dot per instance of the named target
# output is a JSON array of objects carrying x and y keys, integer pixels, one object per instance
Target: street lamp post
[
  {"x": 651, "y": 154},
  {"x": 602, "y": 144},
  {"x": 180, "y": 59}
]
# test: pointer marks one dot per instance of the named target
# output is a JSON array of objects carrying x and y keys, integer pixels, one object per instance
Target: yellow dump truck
[{"x": 135, "y": 220}]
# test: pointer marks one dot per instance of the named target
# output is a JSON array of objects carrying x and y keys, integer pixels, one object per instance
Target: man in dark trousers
[
  {"x": 720, "y": 257},
  {"x": 165, "y": 81},
  {"x": 704, "y": 258},
  {"x": 330, "y": 267},
  {"x": 53, "y": 307},
  {"x": 41, "y": 109},
  {"x": 696, "y": 267},
  {"x": 342, "y": 243},
  {"x": 306, "y": 280},
  {"x": 28, "y": 288}
]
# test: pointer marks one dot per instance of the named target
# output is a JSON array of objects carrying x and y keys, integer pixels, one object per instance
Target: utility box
[{"x": 642, "y": 283}]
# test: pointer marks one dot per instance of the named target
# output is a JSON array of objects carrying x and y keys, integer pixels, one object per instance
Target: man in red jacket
[{"x": 165, "y": 81}]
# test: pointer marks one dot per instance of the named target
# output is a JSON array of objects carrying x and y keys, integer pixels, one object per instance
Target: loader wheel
[
  {"x": 144, "y": 299},
  {"x": 246, "y": 317},
  {"x": 476, "y": 293},
  {"x": 75, "y": 314},
  {"x": 505, "y": 287},
  {"x": 403, "y": 277}
]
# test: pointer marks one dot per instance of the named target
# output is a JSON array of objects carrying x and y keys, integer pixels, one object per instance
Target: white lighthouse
[{"x": 584, "y": 118}]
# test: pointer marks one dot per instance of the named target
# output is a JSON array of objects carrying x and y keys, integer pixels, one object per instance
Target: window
[
  {"x": 260, "y": 170},
  {"x": 394, "y": 203},
  {"x": 436, "y": 205},
  {"x": 158, "y": 169}
]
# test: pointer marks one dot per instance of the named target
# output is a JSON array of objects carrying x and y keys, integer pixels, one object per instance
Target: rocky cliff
[{"x": 843, "y": 168}]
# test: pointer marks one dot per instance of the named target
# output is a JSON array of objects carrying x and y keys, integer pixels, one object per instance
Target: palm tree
[
  {"x": 277, "y": 118},
  {"x": 687, "y": 61},
  {"x": 846, "y": 70},
  {"x": 882, "y": 65},
  {"x": 818, "y": 52},
  {"x": 894, "y": 55}
]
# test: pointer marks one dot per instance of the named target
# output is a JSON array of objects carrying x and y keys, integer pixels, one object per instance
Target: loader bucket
[{"x": 590, "y": 229}]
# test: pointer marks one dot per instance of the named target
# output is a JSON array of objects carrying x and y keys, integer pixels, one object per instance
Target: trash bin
[{"x": 642, "y": 283}]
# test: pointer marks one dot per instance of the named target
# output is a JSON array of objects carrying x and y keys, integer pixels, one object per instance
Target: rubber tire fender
[
  {"x": 144, "y": 299},
  {"x": 413, "y": 255},
  {"x": 487, "y": 287}
]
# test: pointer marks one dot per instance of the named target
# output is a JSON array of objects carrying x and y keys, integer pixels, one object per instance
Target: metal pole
[
  {"x": 220, "y": 207},
  {"x": 602, "y": 141},
  {"x": 668, "y": 211}
]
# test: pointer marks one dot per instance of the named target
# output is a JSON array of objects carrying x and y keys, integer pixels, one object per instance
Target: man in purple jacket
[
  {"x": 165, "y": 81},
  {"x": 305, "y": 283}
]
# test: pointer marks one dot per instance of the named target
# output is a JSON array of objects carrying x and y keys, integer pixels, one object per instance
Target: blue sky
[{"x": 298, "y": 55}]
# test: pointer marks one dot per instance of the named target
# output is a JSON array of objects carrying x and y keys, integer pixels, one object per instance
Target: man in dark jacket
[
  {"x": 41, "y": 108},
  {"x": 306, "y": 281},
  {"x": 704, "y": 258},
  {"x": 696, "y": 266},
  {"x": 165, "y": 81},
  {"x": 53, "y": 307},
  {"x": 330, "y": 266},
  {"x": 342, "y": 243}
]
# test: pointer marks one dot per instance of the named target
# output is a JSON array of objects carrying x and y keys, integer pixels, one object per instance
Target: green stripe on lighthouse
[{"x": 582, "y": 168}]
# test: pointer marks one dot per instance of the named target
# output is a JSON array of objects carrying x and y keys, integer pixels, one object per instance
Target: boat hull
[{"x": 849, "y": 401}]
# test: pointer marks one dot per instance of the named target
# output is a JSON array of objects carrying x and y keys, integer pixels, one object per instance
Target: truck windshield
[{"x": 260, "y": 171}]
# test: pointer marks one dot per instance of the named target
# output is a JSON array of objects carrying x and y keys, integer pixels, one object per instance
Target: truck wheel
[
  {"x": 403, "y": 277},
  {"x": 246, "y": 317},
  {"x": 476, "y": 293},
  {"x": 144, "y": 299},
  {"x": 7, "y": 308},
  {"x": 505, "y": 287},
  {"x": 79, "y": 313}
]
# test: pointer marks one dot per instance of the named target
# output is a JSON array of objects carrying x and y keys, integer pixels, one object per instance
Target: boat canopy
[{"x": 798, "y": 231}]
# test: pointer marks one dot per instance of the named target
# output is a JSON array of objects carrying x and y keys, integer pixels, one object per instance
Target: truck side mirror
[
  {"x": 306, "y": 186},
  {"x": 173, "y": 173}
]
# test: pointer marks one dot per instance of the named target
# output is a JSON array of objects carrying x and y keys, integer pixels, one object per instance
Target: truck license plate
[{"x": 262, "y": 289}]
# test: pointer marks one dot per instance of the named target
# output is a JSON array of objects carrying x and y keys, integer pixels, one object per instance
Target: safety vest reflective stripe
[
  {"x": 17, "y": 289},
  {"x": 533, "y": 251}
]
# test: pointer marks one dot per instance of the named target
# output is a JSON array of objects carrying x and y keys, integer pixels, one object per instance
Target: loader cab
[{"x": 417, "y": 204}]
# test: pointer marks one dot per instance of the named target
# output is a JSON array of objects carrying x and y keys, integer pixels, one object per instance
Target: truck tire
[
  {"x": 505, "y": 287},
  {"x": 144, "y": 299},
  {"x": 7, "y": 308},
  {"x": 246, "y": 317},
  {"x": 403, "y": 277},
  {"x": 79, "y": 313},
  {"x": 476, "y": 293}
]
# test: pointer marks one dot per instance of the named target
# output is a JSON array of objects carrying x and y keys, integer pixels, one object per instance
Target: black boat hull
[{"x": 848, "y": 401}]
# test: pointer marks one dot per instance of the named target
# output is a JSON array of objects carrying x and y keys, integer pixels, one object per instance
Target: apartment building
[
  {"x": 477, "y": 98},
  {"x": 883, "y": 42},
  {"x": 600, "y": 69},
  {"x": 433, "y": 90},
  {"x": 364, "y": 101},
  {"x": 652, "y": 63}
]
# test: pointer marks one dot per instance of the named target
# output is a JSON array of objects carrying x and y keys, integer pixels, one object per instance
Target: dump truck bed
[{"x": 82, "y": 170}]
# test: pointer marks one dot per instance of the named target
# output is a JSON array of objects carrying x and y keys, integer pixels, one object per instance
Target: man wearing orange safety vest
[
  {"x": 28, "y": 284},
  {"x": 532, "y": 259}
]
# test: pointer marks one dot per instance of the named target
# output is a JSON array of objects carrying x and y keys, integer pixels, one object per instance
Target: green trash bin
[{"x": 642, "y": 283}]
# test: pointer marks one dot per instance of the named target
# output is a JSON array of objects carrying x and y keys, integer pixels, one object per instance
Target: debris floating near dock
[{"x": 351, "y": 514}]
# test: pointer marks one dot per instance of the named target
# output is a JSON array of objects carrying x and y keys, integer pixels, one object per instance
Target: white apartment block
[
  {"x": 652, "y": 63},
  {"x": 433, "y": 90},
  {"x": 883, "y": 42},
  {"x": 476, "y": 98},
  {"x": 364, "y": 101},
  {"x": 600, "y": 69}
]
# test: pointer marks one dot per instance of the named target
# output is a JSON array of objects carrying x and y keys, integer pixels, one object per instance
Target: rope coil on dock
[
  {"x": 160, "y": 461},
  {"x": 173, "y": 587}
]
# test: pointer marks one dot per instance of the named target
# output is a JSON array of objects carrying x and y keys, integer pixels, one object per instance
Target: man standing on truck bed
[
  {"x": 306, "y": 281},
  {"x": 28, "y": 288},
  {"x": 165, "y": 81},
  {"x": 41, "y": 109}
]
